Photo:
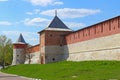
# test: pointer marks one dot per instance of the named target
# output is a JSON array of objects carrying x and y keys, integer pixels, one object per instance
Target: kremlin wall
[
  {"x": 97, "y": 42},
  {"x": 100, "y": 41}
]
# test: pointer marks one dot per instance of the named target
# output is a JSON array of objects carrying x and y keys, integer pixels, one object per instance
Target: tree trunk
[{"x": 3, "y": 60}]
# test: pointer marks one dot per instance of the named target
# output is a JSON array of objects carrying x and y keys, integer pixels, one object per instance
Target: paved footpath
[{"x": 4, "y": 76}]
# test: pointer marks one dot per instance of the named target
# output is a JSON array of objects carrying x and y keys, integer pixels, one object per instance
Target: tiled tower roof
[
  {"x": 57, "y": 23},
  {"x": 21, "y": 39}
]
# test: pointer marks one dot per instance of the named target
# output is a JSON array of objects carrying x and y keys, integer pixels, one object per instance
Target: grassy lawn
[{"x": 66, "y": 70}]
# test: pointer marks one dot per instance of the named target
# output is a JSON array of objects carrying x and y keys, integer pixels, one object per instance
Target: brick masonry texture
[
  {"x": 32, "y": 49},
  {"x": 105, "y": 28},
  {"x": 96, "y": 42}
]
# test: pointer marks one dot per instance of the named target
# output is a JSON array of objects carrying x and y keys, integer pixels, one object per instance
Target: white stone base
[
  {"x": 103, "y": 48},
  {"x": 112, "y": 54},
  {"x": 34, "y": 58}
]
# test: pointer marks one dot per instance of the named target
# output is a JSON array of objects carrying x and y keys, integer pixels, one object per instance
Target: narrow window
[
  {"x": 114, "y": 24},
  {"x": 78, "y": 35},
  {"x": 114, "y": 27},
  {"x": 89, "y": 31},
  {"x": 86, "y": 34},
  {"x": 95, "y": 29},
  {"x": 112, "y": 21},
  {"x": 51, "y": 35},
  {"x": 74, "y": 36},
  {"x": 53, "y": 59},
  {"x": 109, "y": 26},
  {"x": 102, "y": 27},
  {"x": 83, "y": 33},
  {"x": 60, "y": 44}
]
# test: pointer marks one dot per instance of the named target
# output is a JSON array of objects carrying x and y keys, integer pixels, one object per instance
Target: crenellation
[
  {"x": 57, "y": 42},
  {"x": 101, "y": 29}
]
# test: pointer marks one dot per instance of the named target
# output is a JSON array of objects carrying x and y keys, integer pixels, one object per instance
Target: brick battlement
[
  {"x": 105, "y": 28},
  {"x": 96, "y": 42}
]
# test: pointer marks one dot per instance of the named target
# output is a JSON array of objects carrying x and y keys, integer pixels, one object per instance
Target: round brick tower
[{"x": 19, "y": 51}]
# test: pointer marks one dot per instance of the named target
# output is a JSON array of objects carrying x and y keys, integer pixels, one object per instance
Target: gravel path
[{"x": 4, "y": 76}]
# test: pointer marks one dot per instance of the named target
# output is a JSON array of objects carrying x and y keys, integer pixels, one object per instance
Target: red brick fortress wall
[
  {"x": 35, "y": 48},
  {"x": 19, "y": 46},
  {"x": 55, "y": 37},
  {"x": 33, "y": 55},
  {"x": 51, "y": 45},
  {"x": 105, "y": 28},
  {"x": 97, "y": 42}
]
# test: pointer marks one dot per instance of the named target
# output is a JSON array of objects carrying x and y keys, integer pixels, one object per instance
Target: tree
[{"x": 6, "y": 51}]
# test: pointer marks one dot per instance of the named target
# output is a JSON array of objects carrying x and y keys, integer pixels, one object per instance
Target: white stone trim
[{"x": 58, "y": 29}]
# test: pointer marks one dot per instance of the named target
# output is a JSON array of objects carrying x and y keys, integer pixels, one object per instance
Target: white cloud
[
  {"x": 5, "y": 23},
  {"x": 42, "y": 22},
  {"x": 36, "y": 21},
  {"x": 58, "y": 3},
  {"x": 44, "y": 2},
  {"x": 74, "y": 25},
  {"x": 30, "y": 37},
  {"x": 29, "y": 13},
  {"x": 36, "y": 11},
  {"x": 3, "y": 0},
  {"x": 71, "y": 12}
]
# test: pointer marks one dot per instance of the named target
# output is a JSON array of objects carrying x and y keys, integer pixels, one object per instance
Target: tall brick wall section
[
  {"x": 33, "y": 54},
  {"x": 51, "y": 42},
  {"x": 105, "y": 28},
  {"x": 32, "y": 49},
  {"x": 102, "y": 48}
]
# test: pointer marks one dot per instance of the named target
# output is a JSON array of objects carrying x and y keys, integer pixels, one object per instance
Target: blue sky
[{"x": 31, "y": 16}]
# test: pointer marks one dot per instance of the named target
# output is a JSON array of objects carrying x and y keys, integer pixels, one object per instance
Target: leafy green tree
[{"x": 6, "y": 51}]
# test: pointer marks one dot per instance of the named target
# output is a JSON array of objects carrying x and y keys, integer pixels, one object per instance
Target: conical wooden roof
[
  {"x": 57, "y": 23},
  {"x": 21, "y": 39}
]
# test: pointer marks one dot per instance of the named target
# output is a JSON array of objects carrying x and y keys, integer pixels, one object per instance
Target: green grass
[{"x": 85, "y": 70}]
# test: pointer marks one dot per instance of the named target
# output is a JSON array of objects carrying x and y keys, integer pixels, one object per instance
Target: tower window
[
  {"x": 53, "y": 59},
  {"x": 51, "y": 35},
  {"x": 60, "y": 44}
]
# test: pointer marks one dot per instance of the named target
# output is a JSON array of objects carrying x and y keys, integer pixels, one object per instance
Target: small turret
[{"x": 19, "y": 51}]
